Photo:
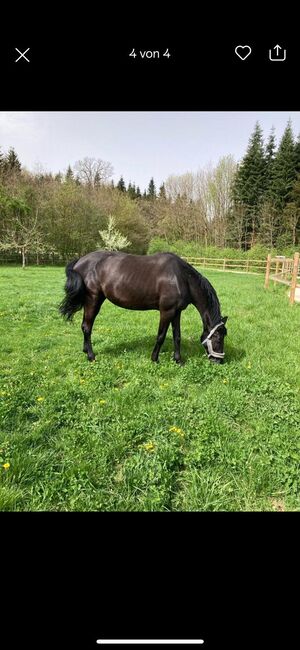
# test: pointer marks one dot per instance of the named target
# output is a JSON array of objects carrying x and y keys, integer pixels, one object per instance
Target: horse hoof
[
  {"x": 179, "y": 361},
  {"x": 91, "y": 358}
]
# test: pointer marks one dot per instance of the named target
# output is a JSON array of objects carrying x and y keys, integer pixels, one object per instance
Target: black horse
[{"x": 162, "y": 281}]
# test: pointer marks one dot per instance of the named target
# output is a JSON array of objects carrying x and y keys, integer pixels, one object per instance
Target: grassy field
[{"x": 126, "y": 434}]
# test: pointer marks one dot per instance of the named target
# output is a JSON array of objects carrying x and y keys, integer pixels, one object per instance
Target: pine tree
[
  {"x": 250, "y": 184},
  {"x": 268, "y": 215},
  {"x": 58, "y": 177},
  {"x": 283, "y": 174},
  {"x": 151, "y": 194},
  {"x": 69, "y": 177},
  {"x": 11, "y": 161},
  {"x": 270, "y": 157},
  {"x": 162, "y": 192},
  {"x": 121, "y": 185},
  {"x": 131, "y": 191},
  {"x": 297, "y": 155},
  {"x": 138, "y": 192}
]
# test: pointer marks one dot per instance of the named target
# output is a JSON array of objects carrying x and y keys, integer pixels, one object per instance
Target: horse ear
[{"x": 224, "y": 319}]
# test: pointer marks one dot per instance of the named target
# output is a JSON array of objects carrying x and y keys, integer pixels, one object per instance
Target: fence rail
[
  {"x": 229, "y": 264},
  {"x": 286, "y": 272}
]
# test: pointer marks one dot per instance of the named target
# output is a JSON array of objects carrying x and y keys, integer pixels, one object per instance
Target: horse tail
[{"x": 75, "y": 292}]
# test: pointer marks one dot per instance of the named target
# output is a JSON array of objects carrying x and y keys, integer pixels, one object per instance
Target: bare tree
[
  {"x": 22, "y": 231},
  {"x": 25, "y": 237},
  {"x": 93, "y": 171},
  {"x": 291, "y": 218}
]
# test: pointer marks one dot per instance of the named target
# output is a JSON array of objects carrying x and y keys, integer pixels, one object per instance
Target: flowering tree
[{"x": 112, "y": 238}]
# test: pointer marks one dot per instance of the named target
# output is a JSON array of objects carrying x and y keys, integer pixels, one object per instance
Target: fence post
[
  {"x": 224, "y": 264},
  {"x": 294, "y": 278},
  {"x": 247, "y": 267},
  {"x": 268, "y": 271},
  {"x": 204, "y": 262}
]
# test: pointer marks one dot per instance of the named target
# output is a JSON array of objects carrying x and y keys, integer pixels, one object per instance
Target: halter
[{"x": 212, "y": 353}]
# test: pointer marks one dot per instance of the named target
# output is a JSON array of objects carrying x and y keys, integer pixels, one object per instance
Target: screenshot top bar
[{"x": 206, "y": 73}]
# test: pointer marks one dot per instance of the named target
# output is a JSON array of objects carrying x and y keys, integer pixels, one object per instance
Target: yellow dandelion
[
  {"x": 225, "y": 381},
  {"x": 6, "y": 465},
  {"x": 176, "y": 430},
  {"x": 82, "y": 381},
  {"x": 102, "y": 401},
  {"x": 40, "y": 399},
  {"x": 162, "y": 386},
  {"x": 149, "y": 446},
  {"x": 249, "y": 365}
]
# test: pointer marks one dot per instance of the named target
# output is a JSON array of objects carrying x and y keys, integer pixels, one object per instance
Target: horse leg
[
  {"x": 165, "y": 319},
  {"x": 176, "y": 337},
  {"x": 91, "y": 309}
]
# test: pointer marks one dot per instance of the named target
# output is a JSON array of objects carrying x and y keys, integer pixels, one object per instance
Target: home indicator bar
[{"x": 150, "y": 641}]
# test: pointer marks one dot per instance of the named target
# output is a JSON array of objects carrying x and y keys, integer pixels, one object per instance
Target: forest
[{"x": 249, "y": 206}]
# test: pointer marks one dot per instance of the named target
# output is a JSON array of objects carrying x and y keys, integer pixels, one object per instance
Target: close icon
[
  {"x": 22, "y": 55},
  {"x": 243, "y": 51}
]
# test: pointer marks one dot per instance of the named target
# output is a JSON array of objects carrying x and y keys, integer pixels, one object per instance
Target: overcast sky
[{"x": 139, "y": 145}]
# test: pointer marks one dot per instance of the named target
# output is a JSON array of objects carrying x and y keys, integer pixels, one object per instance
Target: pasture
[{"x": 123, "y": 433}]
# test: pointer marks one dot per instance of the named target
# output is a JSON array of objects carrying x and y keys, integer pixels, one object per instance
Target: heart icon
[{"x": 243, "y": 51}]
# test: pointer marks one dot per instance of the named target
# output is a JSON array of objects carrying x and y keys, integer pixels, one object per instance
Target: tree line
[{"x": 256, "y": 201}]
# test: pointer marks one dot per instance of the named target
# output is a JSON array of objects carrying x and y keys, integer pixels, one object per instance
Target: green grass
[{"x": 126, "y": 434}]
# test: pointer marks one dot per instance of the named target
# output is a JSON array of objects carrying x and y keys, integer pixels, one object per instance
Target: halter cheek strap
[{"x": 211, "y": 352}]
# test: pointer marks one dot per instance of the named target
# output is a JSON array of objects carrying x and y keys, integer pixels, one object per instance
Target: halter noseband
[{"x": 211, "y": 352}]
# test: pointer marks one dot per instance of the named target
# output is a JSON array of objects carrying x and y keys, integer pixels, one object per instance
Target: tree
[
  {"x": 131, "y": 191},
  {"x": 1, "y": 161},
  {"x": 90, "y": 169},
  {"x": 270, "y": 157},
  {"x": 162, "y": 192},
  {"x": 138, "y": 193},
  {"x": 97, "y": 180},
  {"x": 121, "y": 185},
  {"x": 69, "y": 177},
  {"x": 23, "y": 232},
  {"x": 291, "y": 220},
  {"x": 112, "y": 238},
  {"x": 297, "y": 155},
  {"x": 151, "y": 194},
  {"x": 250, "y": 184},
  {"x": 283, "y": 174},
  {"x": 269, "y": 222},
  {"x": 11, "y": 161}
]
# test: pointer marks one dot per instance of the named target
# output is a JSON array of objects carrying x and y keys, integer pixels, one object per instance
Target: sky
[{"x": 139, "y": 145}]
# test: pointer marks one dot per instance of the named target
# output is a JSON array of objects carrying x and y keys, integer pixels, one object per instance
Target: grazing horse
[{"x": 162, "y": 281}]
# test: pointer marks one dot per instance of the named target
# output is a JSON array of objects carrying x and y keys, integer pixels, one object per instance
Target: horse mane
[
  {"x": 204, "y": 284},
  {"x": 212, "y": 299}
]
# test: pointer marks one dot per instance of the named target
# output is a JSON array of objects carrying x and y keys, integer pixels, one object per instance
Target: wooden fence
[
  {"x": 227, "y": 264},
  {"x": 286, "y": 271}
]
